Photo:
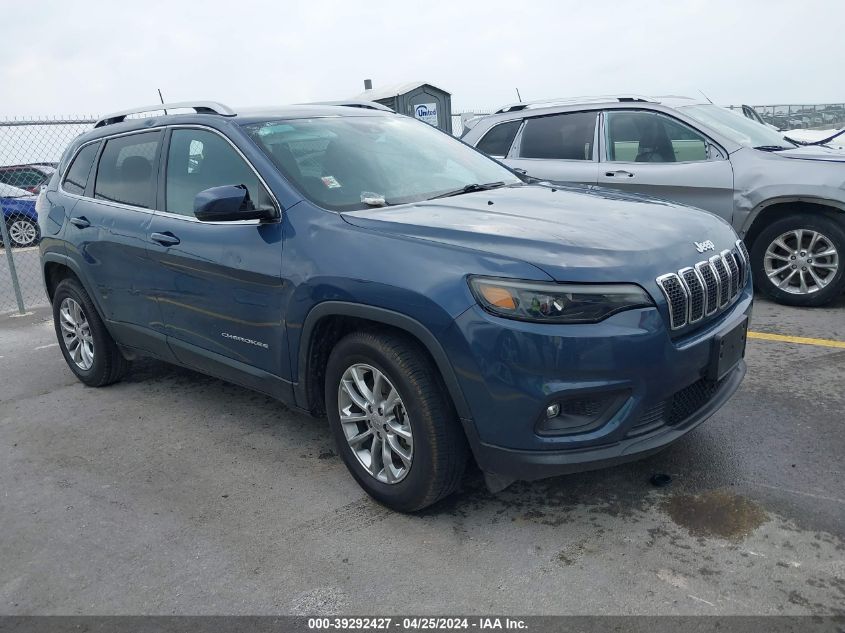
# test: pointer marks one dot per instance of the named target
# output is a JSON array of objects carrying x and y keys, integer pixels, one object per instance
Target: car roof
[
  {"x": 204, "y": 112},
  {"x": 666, "y": 100},
  {"x": 214, "y": 108}
]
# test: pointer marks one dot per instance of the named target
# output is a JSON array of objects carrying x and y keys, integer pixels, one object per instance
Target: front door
[
  {"x": 218, "y": 283},
  {"x": 654, "y": 154}
]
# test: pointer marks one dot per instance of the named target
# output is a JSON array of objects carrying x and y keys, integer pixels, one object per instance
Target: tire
[
  {"x": 107, "y": 364},
  {"x": 437, "y": 449},
  {"x": 23, "y": 232},
  {"x": 830, "y": 269}
]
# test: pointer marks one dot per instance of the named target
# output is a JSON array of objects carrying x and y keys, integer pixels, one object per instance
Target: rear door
[
  {"x": 108, "y": 230},
  {"x": 655, "y": 154},
  {"x": 558, "y": 147},
  {"x": 218, "y": 283}
]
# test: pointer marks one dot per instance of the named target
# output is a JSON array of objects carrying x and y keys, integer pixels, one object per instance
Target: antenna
[
  {"x": 518, "y": 96},
  {"x": 705, "y": 96},
  {"x": 161, "y": 98}
]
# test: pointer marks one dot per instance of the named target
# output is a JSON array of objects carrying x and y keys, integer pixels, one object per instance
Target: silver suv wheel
[
  {"x": 801, "y": 261},
  {"x": 375, "y": 423},
  {"x": 76, "y": 334}
]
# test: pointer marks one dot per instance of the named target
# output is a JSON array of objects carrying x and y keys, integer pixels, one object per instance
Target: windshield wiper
[
  {"x": 772, "y": 148},
  {"x": 823, "y": 141},
  {"x": 470, "y": 189}
]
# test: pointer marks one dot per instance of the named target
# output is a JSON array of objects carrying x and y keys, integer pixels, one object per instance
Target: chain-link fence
[
  {"x": 797, "y": 116},
  {"x": 29, "y": 153}
]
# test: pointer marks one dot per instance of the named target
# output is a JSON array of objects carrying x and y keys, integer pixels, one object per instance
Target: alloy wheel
[
  {"x": 801, "y": 261},
  {"x": 22, "y": 232},
  {"x": 375, "y": 423},
  {"x": 76, "y": 334}
]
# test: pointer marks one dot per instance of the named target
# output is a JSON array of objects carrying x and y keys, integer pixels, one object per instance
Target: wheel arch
[
  {"x": 56, "y": 267},
  {"x": 776, "y": 208},
  {"x": 328, "y": 321}
]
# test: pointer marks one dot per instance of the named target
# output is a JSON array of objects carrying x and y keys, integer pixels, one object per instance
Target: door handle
[
  {"x": 165, "y": 239},
  {"x": 80, "y": 222},
  {"x": 619, "y": 173}
]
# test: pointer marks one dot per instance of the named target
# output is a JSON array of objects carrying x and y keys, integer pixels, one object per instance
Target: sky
[{"x": 82, "y": 57}]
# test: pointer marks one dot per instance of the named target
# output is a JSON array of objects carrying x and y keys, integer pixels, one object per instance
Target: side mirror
[{"x": 229, "y": 203}]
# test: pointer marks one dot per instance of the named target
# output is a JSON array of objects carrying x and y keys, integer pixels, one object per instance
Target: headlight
[{"x": 544, "y": 302}]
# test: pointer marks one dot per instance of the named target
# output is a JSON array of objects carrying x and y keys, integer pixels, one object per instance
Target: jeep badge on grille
[{"x": 707, "y": 245}]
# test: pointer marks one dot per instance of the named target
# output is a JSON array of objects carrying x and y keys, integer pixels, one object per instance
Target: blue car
[
  {"x": 20, "y": 216},
  {"x": 361, "y": 265}
]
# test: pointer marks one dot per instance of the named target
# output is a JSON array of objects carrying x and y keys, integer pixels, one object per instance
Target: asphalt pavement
[{"x": 175, "y": 493}]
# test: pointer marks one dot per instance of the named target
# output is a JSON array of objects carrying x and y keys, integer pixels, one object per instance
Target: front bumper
[
  {"x": 510, "y": 371},
  {"x": 530, "y": 465}
]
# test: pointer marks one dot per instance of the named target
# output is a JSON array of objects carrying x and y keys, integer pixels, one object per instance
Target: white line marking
[
  {"x": 700, "y": 600},
  {"x": 46, "y": 346},
  {"x": 796, "y": 492}
]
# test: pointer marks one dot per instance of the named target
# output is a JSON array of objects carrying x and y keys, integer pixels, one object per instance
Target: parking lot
[{"x": 172, "y": 492}]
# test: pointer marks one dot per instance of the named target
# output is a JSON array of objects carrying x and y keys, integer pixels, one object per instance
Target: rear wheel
[
  {"x": 88, "y": 348},
  {"x": 393, "y": 422},
  {"x": 23, "y": 232},
  {"x": 798, "y": 260}
]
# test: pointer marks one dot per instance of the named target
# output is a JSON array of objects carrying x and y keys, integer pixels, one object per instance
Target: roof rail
[
  {"x": 353, "y": 103},
  {"x": 201, "y": 107},
  {"x": 550, "y": 103}
]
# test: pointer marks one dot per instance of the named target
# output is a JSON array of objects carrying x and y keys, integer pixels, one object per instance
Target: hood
[
  {"x": 814, "y": 152},
  {"x": 571, "y": 233}
]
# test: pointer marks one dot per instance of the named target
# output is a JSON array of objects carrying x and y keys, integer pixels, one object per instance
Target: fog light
[{"x": 581, "y": 413}]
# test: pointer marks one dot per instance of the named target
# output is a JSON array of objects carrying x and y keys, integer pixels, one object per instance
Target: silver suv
[{"x": 786, "y": 201}]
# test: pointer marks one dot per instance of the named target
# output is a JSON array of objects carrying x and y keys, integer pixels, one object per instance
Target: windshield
[
  {"x": 349, "y": 163},
  {"x": 736, "y": 127}
]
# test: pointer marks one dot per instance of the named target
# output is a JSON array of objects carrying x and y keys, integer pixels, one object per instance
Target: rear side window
[
  {"x": 76, "y": 178},
  {"x": 198, "y": 160},
  {"x": 126, "y": 172},
  {"x": 22, "y": 178},
  {"x": 498, "y": 140},
  {"x": 567, "y": 136}
]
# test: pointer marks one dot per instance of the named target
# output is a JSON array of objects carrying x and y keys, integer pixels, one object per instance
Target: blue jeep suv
[{"x": 357, "y": 264}]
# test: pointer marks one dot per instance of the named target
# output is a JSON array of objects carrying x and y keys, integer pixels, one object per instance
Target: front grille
[
  {"x": 733, "y": 269},
  {"x": 676, "y": 296},
  {"x": 699, "y": 291},
  {"x": 724, "y": 278},
  {"x": 677, "y": 408},
  {"x": 696, "y": 293},
  {"x": 711, "y": 284}
]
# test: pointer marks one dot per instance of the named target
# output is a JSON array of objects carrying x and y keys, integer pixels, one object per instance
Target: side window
[
  {"x": 646, "y": 137},
  {"x": 76, "y": 178},
  {"x": 498, "y": 140},
  {"x": 562, "y": 136},
  {"x": 22, "y": 178},
  {"x": 126, "y": 172},
  {"x": 198, "y": 160}
]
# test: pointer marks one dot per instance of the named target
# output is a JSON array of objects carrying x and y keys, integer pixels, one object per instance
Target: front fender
[
  {"x": 378, "y": 315},
  {"x": 761, "y": 206}
]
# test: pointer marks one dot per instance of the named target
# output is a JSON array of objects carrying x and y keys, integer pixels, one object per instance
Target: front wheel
[
  {"x": 394, "y": 424},
  {"x": 797, "y": 260}
]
